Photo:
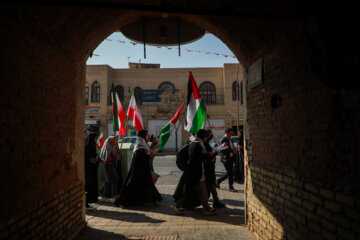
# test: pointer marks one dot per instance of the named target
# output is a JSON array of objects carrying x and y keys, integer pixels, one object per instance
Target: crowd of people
[{"x": 197, "y": 183}]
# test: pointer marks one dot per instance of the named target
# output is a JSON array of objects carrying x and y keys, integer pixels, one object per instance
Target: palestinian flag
[
  {"x": 118, "y": 112},
  {"x": 135, "y": 114},
  {"x": 196, "y": 110},
  {"x": 166, "y": 130}
]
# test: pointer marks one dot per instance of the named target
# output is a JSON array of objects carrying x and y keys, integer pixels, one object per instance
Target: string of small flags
[{"x": 173, "y": 48}]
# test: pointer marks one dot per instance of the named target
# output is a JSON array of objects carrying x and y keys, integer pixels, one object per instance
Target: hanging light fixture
[{"x": 162, "y": 30}]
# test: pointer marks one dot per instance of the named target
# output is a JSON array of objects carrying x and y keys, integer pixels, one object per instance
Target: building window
[
  {"x": 95, "y": 92},
  {"x": 235, "y": 87},
  {"x": 138, "y": 95},
  {"x": 237, "y": 92},
  {"x": 86, "y": 94},
  {"x": 120, "y": 91},
  {"x": 208, "y": 92},
  {"x": 166, "y": 85}
]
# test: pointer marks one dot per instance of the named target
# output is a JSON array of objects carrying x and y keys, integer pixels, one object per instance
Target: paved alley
[{"x": 105, "y": 221}]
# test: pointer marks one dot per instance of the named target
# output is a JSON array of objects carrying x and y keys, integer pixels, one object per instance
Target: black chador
[
  {"x": 91, "y": 165},
  {"x": 138, "y": 188},
  {"x": 186, "y": 194}
]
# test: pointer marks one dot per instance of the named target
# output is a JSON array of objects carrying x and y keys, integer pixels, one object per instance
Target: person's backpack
[{"x": 182, "y": 157}]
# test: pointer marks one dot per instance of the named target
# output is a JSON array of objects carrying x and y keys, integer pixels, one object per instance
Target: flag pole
[
  {"x": 123, "y": 136},
  {"x": 208, "y": 121},
  {"x": 176, "y": 127},
  {"x": 182, "y": 113}
]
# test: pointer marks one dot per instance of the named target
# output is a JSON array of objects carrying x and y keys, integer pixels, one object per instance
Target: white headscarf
[
  {"x": 108, "y": 148},
  {"x": 141, "y": 144}
]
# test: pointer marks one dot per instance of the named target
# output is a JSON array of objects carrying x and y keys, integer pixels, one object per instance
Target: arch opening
[{"x": 286, "y": 149}]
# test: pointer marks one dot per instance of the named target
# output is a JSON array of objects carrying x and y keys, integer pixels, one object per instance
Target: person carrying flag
[{"x": 191, "y": 190}]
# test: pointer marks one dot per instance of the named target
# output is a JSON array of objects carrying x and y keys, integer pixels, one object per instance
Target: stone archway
[{"x": 42, "y": 69}]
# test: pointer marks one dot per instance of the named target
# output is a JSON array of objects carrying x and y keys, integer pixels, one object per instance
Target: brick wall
[
  {"x": 284, "y": 205},
  {"x": 302, "y": 174},
  {"x": 57, "y": 218},
  {"x": 315, "y": 131},
  {"x": 41, "y": 166}
]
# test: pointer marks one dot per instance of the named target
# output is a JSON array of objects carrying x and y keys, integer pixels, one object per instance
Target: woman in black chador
[
  {"x": 191, "y": 190},
  {"x": 91, "y": 165},
  {"x": 139, "y": 188}
]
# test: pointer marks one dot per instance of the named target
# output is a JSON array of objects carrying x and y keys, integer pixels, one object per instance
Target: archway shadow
[
  {"x": 90, "y": 233},
  {"x": 123, "y": 216}
]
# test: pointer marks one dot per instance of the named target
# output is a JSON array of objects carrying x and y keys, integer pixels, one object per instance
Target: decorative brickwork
[{"x": 58, "y": 218}]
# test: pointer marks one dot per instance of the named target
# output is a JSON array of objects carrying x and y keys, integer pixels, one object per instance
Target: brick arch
[{"x": 44, "y": 51}]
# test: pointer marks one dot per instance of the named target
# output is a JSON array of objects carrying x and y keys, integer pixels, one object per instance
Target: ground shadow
[
  {"x": 227, "y": 215},
  {"x": 230, "y": 202},
  {"x": 123, "y": 216},
  {"x": 90, "y": 233}
]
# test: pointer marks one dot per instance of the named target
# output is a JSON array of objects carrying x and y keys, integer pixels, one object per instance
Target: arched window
[
  {"x": 120, "y": 92},
  {"x": 235, "y": 87},
  {"x": 208, "y": 92},
  {"x": 166, "y": 85},
  {"x": 138, "y": 95},
  {"x": 95, "y": 92},
  {"x": 86, "y": 94}
]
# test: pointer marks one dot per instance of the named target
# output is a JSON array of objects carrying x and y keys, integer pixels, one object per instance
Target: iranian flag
[
  {"x": 118, "y": 112},
  {"x": 100, "y": 141},
  {"x": 166, "y": 130},
  {"x": 135, "y": 114},
  {"x": 196, "y": 110}
]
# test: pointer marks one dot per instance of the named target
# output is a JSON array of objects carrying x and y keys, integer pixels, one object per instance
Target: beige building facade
[{"x": 221, "y": 88}]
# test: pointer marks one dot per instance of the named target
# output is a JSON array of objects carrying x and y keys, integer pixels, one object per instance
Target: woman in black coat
[
  {"x": 91, "y": 165},
  {"x": 138, "y": 188}
]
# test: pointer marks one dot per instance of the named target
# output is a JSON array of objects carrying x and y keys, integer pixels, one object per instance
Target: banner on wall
[
  {"x": 92, "y": 109},
  {"x": 153, "y": 96},
  {"x": 217, "y": 126}
]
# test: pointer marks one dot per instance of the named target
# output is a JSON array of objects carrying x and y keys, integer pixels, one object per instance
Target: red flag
[
  {"x": 118, "y": 112},
  {"x": 135, "y": 114}
]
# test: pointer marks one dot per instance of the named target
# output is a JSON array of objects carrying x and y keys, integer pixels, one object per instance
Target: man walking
[
  {"x": 239, "y": 160},
  {"x": 227, "y": 158}
]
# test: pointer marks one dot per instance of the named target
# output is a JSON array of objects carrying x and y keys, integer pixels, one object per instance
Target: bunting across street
[
  {"x": 173, "y": 48},
  {"x": 118, "y": 112},
  {"x": 196, "y": 110},
  {"x": 167, "y": 129}
]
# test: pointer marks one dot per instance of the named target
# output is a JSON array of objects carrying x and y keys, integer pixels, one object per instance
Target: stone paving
[{"x": 105, "y": 221}]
